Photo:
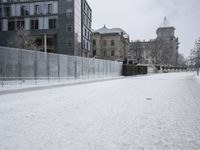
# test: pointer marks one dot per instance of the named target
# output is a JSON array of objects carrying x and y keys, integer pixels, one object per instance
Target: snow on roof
[{"x": 105, "y": 30}]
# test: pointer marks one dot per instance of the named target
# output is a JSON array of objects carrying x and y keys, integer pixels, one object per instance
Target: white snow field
[{"x": 156, "y": 112}]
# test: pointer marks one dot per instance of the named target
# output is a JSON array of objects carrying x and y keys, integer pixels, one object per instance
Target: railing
[{"x": 19, "y": 66}]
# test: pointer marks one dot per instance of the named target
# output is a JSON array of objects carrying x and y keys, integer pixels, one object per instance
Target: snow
[
  {"x": 17, "y": 84},
  {"x": 156, "y": 112}
]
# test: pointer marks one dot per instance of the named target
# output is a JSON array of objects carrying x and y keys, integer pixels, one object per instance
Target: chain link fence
[{"x": 19, "y": 66}]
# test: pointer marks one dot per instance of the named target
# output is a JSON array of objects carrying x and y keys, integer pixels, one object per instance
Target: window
[
  {"x": 52, "y": 23},
  {"x": 0, "y": 11},
  {"x": 69, "y": 13},
  {"x": 87, "y": 45},
  {"x": 94, "y": 42},
  {"x": 94, "y": 53},
  {"x": 38, "y": 9},
  {"x": 85, "y": 32},
  {"x": 0, "y": 26},
  {"x": 11, "y": 25},
  {"x": 24, "y": 10},
  {"x": 50, "y": 42},
  {"x": 7, "y": 11},
  {"x": 104, "y": 43},
  {"x": 69, "y": 43},
  {"x": 50, "y": 9},
  {"x": 104, "y": 53},
  {"x": 20, "y": 24},
  {"x": 69, "y": 28},
  {"x": 112, "y": 53},
  {"x": 34, "y": 24},
  {"x": 39, "y": 42},
  {"x": 88, "y": 35},
  {"x": 112, "y": 43}
]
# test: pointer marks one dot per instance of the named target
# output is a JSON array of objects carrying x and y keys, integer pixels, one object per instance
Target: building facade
[
  {"x": 58, "y": 26},
  {"x": 112, "y": 44},
  {"x": 162, "y": 51}
]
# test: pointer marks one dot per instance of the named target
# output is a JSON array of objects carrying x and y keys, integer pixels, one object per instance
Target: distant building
[
  {"x": 110, "y": 44},
  {"x": 59, "y": 26},
  {"x": 162, "y": 50}
]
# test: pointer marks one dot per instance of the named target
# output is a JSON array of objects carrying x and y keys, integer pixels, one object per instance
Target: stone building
[
  {"x": 163, "y": 50},
  {"x": 110, "y": 44},
  {"x": 58, "y": 26}
]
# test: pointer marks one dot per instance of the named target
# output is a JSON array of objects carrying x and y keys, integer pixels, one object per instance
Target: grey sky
[{"x": 141, "y": 18}]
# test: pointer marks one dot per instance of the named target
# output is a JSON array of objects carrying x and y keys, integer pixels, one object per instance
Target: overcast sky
[{"x": 141, "y": 18}]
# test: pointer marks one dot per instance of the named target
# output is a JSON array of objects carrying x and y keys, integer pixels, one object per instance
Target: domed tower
[
  {"x": 165, "y": 31},
  {"x": 170, "y": 43}
]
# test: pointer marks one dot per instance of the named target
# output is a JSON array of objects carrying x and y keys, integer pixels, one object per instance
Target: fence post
[
  {"x": 98, "y": 68},
  {"x": 94, "y": 66},
  {"x": 82, "y": 67},
  {"x": 47, "y": 56},
  {"x": 58, "y": 67},
  {"x": 88, "y": 68},
  {"x": 20, "y": 66},
  {"x": 2, "y": 70},
  {"x": 75, "y": 61},
  {"x": 35, "y": 67},
  {"x": 68, "y": 67}
]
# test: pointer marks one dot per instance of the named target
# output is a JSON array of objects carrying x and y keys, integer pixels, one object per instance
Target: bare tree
[
  {"x": 138, "y": 50},
  {"x": 22, "y": 39},
  {"x": 181, "y": 60},
  {"x": 195, "y": 55},
  {"x": 155, "y": 53}
]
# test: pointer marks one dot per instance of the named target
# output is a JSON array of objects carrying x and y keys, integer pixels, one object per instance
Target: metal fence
[{"x": 25, "y": 66}]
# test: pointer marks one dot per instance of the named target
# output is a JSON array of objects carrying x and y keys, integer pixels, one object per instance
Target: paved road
[{"x": 157, "y": 112}]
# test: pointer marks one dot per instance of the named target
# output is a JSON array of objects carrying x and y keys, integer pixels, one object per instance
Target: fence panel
[
  {"x": 53, "y": 70},
  {"x": 63, "y": 67},
  {"x": 25, "y": 65}
]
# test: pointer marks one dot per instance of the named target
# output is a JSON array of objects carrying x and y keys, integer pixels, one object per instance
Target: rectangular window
[
  {"x": 20, "y": 25},
  {"x": 94, "y": 43},
  {"x": 112, "y": 43},
  {"x": 69, "y": 43},
  {"x": 50, "y": 8},
  {"x": 94, "y": 53},
  {"x": 69, "y": 28},
  {"x": 104, "y": 53},
  {"x": 52, "y": 23},
  {"x": 34, "y": 24},
  {"x": 39, "y": 42},
  {"x": 7, "y": 11},
  {"x": 0, "y": 26},
  {"x": 104, "y": 43},
  {"x": 11, "y": 25},
  {"x": 38, "y": 9},
  {"x": 112, "y": 53},
  {"x": 69, "y": 13},
  {"x": 24, "y": 10},
  {"x": 0, "y": 11},
  {"x": 85, "y": 32}
]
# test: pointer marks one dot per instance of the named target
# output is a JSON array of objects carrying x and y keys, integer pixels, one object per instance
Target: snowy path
[{"x": 158, "y": 112}]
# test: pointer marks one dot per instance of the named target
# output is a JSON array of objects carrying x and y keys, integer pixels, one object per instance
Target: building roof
[{"x": 105, "y": 30}]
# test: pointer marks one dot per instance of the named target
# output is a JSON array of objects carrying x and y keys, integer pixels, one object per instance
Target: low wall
[{"x": 130, "y": 70}]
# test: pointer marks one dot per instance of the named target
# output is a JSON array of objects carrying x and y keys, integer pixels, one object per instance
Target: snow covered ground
[{"x": 157, "y": 112}]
